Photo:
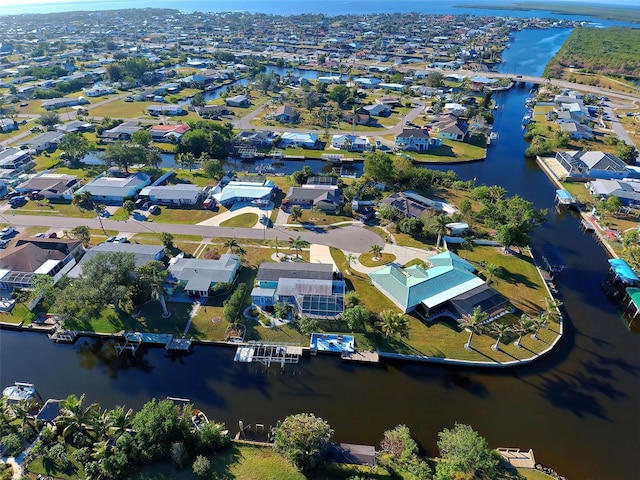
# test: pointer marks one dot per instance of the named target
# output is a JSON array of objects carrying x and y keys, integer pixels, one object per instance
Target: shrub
[
  {"x": 301, "y": 439},
  {"x": 12, "y": 442},
  {"x": 201, "y": 466},
  {"x": 178, "y": 454}
]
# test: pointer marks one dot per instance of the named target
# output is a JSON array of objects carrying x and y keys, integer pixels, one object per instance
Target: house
[
  {"x": 322, "y": 192},
  {"x": 255, "y": 139},
  {"x": 53, "y": 186},
  {"x": 233, "y": 191},
  {"x": 168, "y": 110},
  {"x": 350, "y": 143},
  {"x": 367, "y": 82},
  {"x": 300, "y": 140},
  {"x": 75, "y": 126},
  {"x": 180, "y": 194},
  {"x": 15, "y": 159},
  {"x": 56, "y": 103},
  {"x": 478, "y": 83},
  {"x": 449, "y": 285},
  {"x": 360, "y": 118},
  {"x": 114, "y": 189},
  {"x": 450, "y": 127},
  {"x": 415, "y": 140},
  {"x": 411, "y": 204},
  {"x": 590, "y": 165},
  {"x": 238, "y": 101},
  {"x": 142, "y": 254},
  {"x": 213, "y": 111},
  {"x": 577, "y": 131},
  {"x": 47, "y": 141},
  {"x": 627, "y": 190},
  {"x": 198, "y": 275},
  {"x": 98, "y": 91},
  {"x": 8, "y": 125},
  {"x": 120, "y": 132},
  {"x": 377, "y": 110},
  {"x": 313, "y": 289},
  {"x": 168, "y": 133},
  {"x": 37, "y": 256},
  {"x": 285, "y": 114}
]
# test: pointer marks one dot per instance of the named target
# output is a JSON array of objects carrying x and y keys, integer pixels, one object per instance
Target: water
[
  {"x": 578, "y": 408},
  {"x": 168, "y": 160}
]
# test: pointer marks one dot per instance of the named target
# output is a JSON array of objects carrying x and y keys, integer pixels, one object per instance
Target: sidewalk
[{"x": 403, "y": 255}]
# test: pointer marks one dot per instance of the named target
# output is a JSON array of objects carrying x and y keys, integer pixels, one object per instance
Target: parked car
[
  {"x": 146, "y": 205},
  {"x": 139, "y": 203},
  {"x": 122, "y": 239},
  {"x": 40, "y": 235},
  {"x": 111, "y": 239},
  {"x": 154, "y": 209},
  {"x": 52, "y": 235},
  {"x": 6, "y": 231},
  {"x": 17, "y": 201}
]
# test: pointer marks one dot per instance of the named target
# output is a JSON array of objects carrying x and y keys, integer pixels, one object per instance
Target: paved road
[
  {"x": 617, "y": 127},
  {"x": 351, "y": 238}
]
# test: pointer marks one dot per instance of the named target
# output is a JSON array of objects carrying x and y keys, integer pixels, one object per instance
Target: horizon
[{"x": 41, "y": 5}]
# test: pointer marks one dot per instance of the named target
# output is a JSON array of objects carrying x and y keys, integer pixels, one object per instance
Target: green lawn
[
  {"x": 451, "y": 151},
  {"x": 244, "y": 220},
  {"x": 185, "y": 214},
  {"x": 322, "y": 218},
  {"x": 368, "y": 260},
  {"x": 53, "y": 209}
]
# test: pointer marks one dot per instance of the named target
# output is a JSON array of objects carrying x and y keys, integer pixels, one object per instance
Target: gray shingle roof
[{"x": 272, "y": 272}]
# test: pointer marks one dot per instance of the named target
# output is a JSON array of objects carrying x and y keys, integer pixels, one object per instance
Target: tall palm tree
[
  {"x": 491, "y": 272},
  {"x": 468, "y": 245},
  {"x": 75, "y": 417},
  {"x": 376, "y": 250},
  {"x": 539, "y": 322},
  {"x": 186, "y": 160},
  {"x": 85, "y": 198},
  {"x": 440, "y": 227},
  {"x": 522, "y": 327},
  {"x": 499, "y": 328},
  {"x": 156, "y": 282},
  {"x": 276, "y": 245},
  {"x": 350, "y": 258},
  {"x": 231, "y": 244},
  {"x": 121, "y": 421},
  {"x": 552, "y": 309},
  {"x": 298, "y": 244},
  {"x": 472, "y": 323},
  {"x": 393, "y": 323}
]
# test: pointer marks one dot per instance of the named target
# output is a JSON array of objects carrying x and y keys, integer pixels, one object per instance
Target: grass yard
[
  {"x": 185, "y": 214},
  {"x": 368, "y": 260},
  {"x": 452, "y": 151},
  {"x": 322, "y": 218},
  {"x": 53, "y": 209},
  {"x": 244, "y": 220}
]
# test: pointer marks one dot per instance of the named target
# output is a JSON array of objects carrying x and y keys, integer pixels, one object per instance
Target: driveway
[
  {"x": 239, "y": 210},
  {"x": 321, "y": 254}
]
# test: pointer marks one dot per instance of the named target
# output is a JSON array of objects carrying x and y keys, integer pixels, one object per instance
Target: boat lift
[{"x": 267, "y": 353}]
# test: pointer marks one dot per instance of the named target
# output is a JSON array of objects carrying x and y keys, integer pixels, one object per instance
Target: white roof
[
  {"x": 297, "y": 286},
  {"x": 453, "y": 292},
  {"x": 47, "y": 266}
]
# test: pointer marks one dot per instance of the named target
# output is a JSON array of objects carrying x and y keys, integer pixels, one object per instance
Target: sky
[{"x": 44, "y": 2}]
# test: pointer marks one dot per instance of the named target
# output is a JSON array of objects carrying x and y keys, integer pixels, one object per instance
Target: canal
[{"x": 578, "y": 407}]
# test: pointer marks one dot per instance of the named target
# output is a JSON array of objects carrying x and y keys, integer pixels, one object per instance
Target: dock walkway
[
  {"x": 518, "y": 458},
  {"x": 366, "y": 356}
]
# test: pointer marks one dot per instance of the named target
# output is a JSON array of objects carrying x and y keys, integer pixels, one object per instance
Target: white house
[
  {"x": 115, "y": 190},
  {"x": 198, "y": 275},
  {"x": 181, "y": 194}
]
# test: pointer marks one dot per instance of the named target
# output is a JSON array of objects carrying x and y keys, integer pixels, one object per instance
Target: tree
[
  {"x": 491, "y": 272},
  {"x": 141, "y": 137},
  {"x": 435, "y": 79},
  {"x": 300, "y": 177},
  {"x": 379, "y": 167},
  {"x": 349, "y": 258},
  {"x": 552, "y": 309},
  {"x": 302, "y": 439},
  {"x": 75, "y": 147},
  {"x": 151, "y": 276},
  {"x": 231, "y": 244},
  {"x": 440, "y": 227},
  {"x": 393, "y": 323},
  {"x": 356, "y": 317},
  {"x": 468, "y": 245},
  {"x": 213, "y": 168},
  {"x": 399, "y": 445},
  {"x": 81, "y": 232},
  {"x": 121, "y": 421},
  {"x": 339, "y": 94},
  {"x": 201, "y": 466},
  {"x": 539, "y": 322},
  {"x": 198, "y": 100},
  {"x": 463, "y": 450},
  {"x": 387, "y": 211},
  {"x": 315, "y": 212},
  {"x": 42, "y": 286},
  {"x": 75, "y": 417},
  {"x": 307, "y": 325},
  {"x": 186, "y": 160},
  {"x": 472, "y": 323},
  {"x": 612, "y": 204},
  {"x": 124, "y": 154},
  {"x": 376, "y": 250},
  {"x": 128, "y": 206},
  {"x": 167, "y": 240},
  {"x": 351, "y": 299},
  {"x": 626, "y": 153},
  {"x": 522, "y": 327},
  {"x": 153, "y": 158},
  {"x": 298, "y": 244},
  {"x": 500, "y": 328},
  {"x": 195, "y": 142},
  {"x": 49, "y": 120},
  {"x": 233, "y": 304},
  {"x": 295, "y": 213}
]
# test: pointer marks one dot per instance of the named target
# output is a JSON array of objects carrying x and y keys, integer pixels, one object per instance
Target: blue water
[{"x": 293, "y": 7}]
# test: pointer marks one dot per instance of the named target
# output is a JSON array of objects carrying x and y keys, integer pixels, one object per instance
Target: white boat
[
  {"x": 199, "y": 419},
  {"x": 19, "y": 391}
]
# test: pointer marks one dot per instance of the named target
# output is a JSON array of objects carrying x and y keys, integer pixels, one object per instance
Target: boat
[
  {"x": 19, "y": 391},
  {"x": 199, "y": 419}
]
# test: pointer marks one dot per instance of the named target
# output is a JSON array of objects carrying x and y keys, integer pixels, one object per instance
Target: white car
[{"x": 7, "y": 231}]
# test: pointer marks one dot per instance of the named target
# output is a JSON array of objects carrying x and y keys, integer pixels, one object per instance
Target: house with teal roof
[{"x": 449, "y": 284}]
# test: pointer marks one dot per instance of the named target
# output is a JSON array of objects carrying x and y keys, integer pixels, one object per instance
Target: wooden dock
[
  {"x": 179, "y": 345},
  {"x": 268, "y": 353},
  {"x": 366, "y": 356},
  {"x": 518, "y": 458},
  {"x": 64, "y": 336}
]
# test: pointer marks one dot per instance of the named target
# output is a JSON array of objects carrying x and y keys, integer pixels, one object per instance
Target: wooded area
[{"x": 612, "y": 51}]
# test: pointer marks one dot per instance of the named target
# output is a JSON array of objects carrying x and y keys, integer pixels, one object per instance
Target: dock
[
  {"x": 179, "y": 345},
  {"x": 366, "y": 356},
  {"x": 64, "y": 336},
  {"x": 268, "y": 353},
  {"x": 518, "y": 458},
  {"x": 133, "y": 341}
]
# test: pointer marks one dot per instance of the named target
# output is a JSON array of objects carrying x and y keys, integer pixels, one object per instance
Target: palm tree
[
  {"x": 491, "y": 272},
  {"x": 376, "y": 250},
  {"x": 295, "y": 213},
  {"x": 468, "y": 245},
  {"x": 472, "y": 323},
  {"x": 350, "y": 258},
  {"x": 539, "y": 322},
  {"x": 500, "y": 328},
  {"x": 85, "y": 198},
  {"x": 186, "y": 160},
  {"x": 74, "y": 417},
  {"x": 496, "y": 193},
  {"x": 552, "y": 309},
  {"x": 298, "y": 244},
  {"x": 158, "y": 291},
  {"x": 276, "y": 245},
  {"x": 121, "y": 421},
  {"x": 315, "y": 212},
  {"x": 440, "y": 227},
  {"x": 231, "y": 244},
  {"x": 392, "y": 323},
  {"x": 522, "y": 327}
]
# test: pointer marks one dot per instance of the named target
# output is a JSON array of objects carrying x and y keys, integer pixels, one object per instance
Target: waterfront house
[
  {"x": 142, "y": 254},
  {"x": 450, "y": 127},
  {"x": 37, "y": 256},
  {"x": 627, "y": 190},
  {"x": 255, "y": 139},
  {"x": 582, "y": 166},
  {"x": 168, "y": 133},
  {"x": 53, "y": 186},
  {"x": 449, "y": 285},
  {"x": 377, "y": 110},
  {"x": 180, "y": 194},
  {"x": 47, "y": 141},
  {"x": 113, "y": 189},
  {"x": 197, "y": 276},
  {"x": 212, "y": 111},
  {"x": 238, "y": 101},
  {"x": 120, "y": 132},
  {"x": 313, "y": 289},
  {"x": 350, "y": 143},
  {"x": 414, "y": 140},
  {"x": 300, "y": 140},
  {"x": 478, "y": 83},
  {"x": 256, "y": 189},
  {"x": 285, "y": 114},
  {"x": 410, "y": 204}
]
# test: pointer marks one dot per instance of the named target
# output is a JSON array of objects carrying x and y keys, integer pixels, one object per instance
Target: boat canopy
[{"x": 623, "y": 271}]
